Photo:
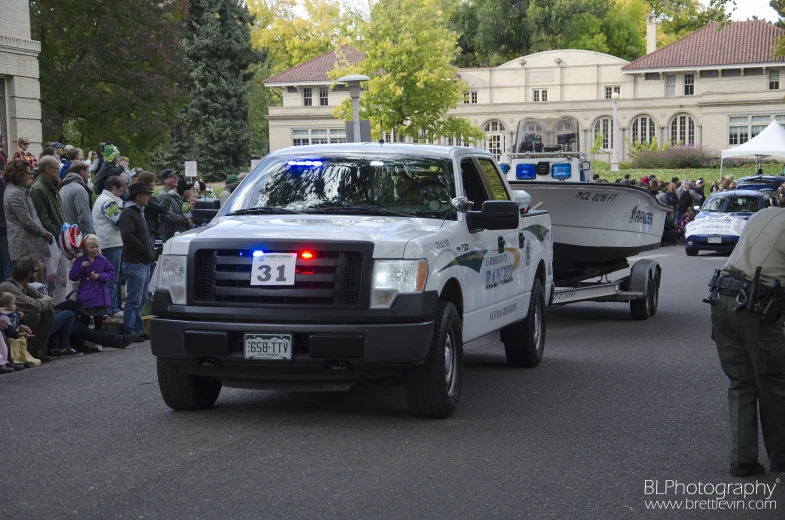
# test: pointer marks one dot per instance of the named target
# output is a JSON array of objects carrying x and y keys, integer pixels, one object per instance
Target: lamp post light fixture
[
  {"x": 353, "y": 82},
  {"x": 615, "y": 162}
]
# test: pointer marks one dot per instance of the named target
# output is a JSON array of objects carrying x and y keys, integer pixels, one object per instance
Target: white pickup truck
[{"x": 336, "y": 264}]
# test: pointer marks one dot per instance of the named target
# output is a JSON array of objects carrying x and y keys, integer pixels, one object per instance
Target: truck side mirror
[{"x": 495, "y": 214}]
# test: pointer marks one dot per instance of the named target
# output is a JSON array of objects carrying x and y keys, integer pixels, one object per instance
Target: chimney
[{"x": 651, "y": 33}]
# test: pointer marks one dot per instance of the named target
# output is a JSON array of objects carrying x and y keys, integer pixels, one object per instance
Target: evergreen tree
[{"x": 213, "y": 126}]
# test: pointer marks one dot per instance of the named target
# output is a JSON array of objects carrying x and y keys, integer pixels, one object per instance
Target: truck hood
[{"x": 389, "y": 234}]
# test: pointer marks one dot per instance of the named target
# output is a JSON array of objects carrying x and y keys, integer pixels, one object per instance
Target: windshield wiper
[
  {"x": 356, "y": 208},
  {"x": 264, "y": 210}
]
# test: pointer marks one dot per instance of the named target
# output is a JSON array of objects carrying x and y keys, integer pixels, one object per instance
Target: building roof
[
  {"x": 318, "y": 68},
  {"x": 738, "y": 43}
]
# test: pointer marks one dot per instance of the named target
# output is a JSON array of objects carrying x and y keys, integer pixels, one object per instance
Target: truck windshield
[{"x": 391, "y": 185}]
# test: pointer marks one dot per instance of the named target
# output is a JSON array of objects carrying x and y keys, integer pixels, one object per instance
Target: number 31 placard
[{"x": 273, "y": 269}]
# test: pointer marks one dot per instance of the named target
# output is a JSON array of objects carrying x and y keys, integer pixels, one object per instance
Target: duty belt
[{"x": 751, "y": 295}]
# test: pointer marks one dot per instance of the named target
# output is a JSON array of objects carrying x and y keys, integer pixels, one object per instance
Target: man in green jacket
[{"x": 49, "y": 208}]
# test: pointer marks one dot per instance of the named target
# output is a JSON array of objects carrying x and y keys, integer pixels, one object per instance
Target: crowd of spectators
[{"x": 53, "y": 304}]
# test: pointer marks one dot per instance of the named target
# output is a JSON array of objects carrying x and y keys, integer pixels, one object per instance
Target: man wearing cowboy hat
[{"x": 138, "y": 254}]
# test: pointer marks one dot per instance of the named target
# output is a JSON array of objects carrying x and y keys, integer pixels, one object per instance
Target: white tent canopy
[{"x": 770, "y": 141}]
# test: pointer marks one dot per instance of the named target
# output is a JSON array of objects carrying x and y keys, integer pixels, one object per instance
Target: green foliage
[
  {"x": 213, "y": 125},
  {"x": 637, "y": 146},
  {"x": 110, "y": 71},
  {"x": 491, "y": 32},
  {"x": 413, "y": 85},
  {"x": 597, "y": 144}
]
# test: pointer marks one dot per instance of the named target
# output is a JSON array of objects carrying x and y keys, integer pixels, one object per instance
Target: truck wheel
[
  {"x": 184, "y": 391},
  {"x": 641, "y": 309},
  {"x": 524, "y": 342},
  {"x": 434, "y": 388}
]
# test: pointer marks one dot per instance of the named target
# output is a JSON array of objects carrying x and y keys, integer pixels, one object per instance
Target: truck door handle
[
  {"x": 501, "y": 245},
  {"x": 521, "y": 240}
]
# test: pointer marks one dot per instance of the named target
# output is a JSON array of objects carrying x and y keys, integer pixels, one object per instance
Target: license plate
[
  {"x": 273, "y": 269},
  {"x": 715, "y": 240},
  {"x": 268, "y": 346}
]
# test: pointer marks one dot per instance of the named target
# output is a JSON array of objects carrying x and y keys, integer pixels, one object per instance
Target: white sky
[{"x": 747, "y": 8}]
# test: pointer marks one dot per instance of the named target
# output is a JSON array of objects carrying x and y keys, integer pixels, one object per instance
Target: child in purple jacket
[{"x": 92, "y": 270}]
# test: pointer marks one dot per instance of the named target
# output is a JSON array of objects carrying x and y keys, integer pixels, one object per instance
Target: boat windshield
[
  {"x": 733, "y": 204},
  {"x": 342, "y": 184},
  {"x": 547, "y": 135}
]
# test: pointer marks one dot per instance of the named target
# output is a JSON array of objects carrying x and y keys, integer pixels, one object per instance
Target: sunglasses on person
[{"x": 25, "y": 144}]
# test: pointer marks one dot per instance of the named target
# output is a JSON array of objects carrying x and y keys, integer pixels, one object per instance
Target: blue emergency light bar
[
  {"x": 561, "y": 171},
  {"x": 525, "y": 172}
]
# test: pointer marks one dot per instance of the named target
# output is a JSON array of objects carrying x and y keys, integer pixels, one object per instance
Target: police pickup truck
[{"x": 335, "y": 264}]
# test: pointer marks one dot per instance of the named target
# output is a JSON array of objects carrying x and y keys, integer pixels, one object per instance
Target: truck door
[{"x": 495, "y": 297}]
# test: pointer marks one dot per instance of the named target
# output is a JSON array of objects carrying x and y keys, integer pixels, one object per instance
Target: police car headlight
[
  {"x": 172, "y": 277},
  {"x": 394, "y": 277}
]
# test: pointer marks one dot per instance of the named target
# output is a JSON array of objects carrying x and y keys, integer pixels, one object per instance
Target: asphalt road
[{"x": 615, "y": 403}]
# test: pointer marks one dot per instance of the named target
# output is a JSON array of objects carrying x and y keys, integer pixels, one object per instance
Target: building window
[
  {"x": 743, "y": 128},
  {"x": 757, "y": 71},
  {"x": 539, "y": 95},
  {"x": 307, "y": 97},
  {"x": 683, "y": 131},
  {"x": 709, "y": 74},
  {"x": 3, "y": 114},
  {"x": 774, "y": 80},
  {"x": 651, "y": 75},
  {"x": 496, "y": 141},
  {"x": 670, "y": 84},
  {"x": 609, "y": 91},
  {"x": 730, "y": 73},
  {"x": 470, "y": 97},
  {"x": 689, "y": 84},
  {"x": 304, "y": 137},
  {"x": 643, "y": 129},
  {"x": 324, "y": 96},
  {"x": 291, "y": 90},
  {"x": 604, "y": 126}
]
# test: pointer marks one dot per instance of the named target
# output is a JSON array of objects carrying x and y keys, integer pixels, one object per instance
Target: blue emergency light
[
  {"x": 561, "y": 171},
  {"x": 525, "y": 172}
]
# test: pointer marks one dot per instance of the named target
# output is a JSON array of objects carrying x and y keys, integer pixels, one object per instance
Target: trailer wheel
[
  {"x": 654, "y": 294},
  {"x": 524, "y": 342},
  {"x": 641, "y": 309}
]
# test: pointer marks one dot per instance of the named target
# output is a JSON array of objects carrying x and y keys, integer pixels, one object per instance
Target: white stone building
[
  {"x": 715, "y": 89},
  {"x": 20, "y": 91}
]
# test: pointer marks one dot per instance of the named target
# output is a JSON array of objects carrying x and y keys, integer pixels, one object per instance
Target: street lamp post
[
  {"x": 615, "y": 162},
  {"x": 354, "y": 92}
]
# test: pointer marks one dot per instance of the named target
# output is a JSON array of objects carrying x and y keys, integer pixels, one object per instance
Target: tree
[
  {"x": 678, "y": 18},
  {"x": 408, "y": 53},
  {"x": 213, "y": 125},
  {"x": 491, "y": 32},
  {"x": 779, "y": 6},
  {"x": 110, "y": 71}
]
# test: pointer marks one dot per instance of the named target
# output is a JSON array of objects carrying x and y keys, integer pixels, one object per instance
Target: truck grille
[{"x": 330, "y": 278}]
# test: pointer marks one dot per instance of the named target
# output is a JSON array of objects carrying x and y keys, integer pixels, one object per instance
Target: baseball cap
[{"x": 168, "y": 172}]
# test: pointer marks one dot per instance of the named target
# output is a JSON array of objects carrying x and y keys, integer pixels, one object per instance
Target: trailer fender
[{"x": 640, "y": 274}]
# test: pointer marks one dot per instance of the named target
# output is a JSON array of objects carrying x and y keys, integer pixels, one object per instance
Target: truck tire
[
  {"x": 433, "y": 389},
  {"x": 184, "y": 391},
  {"x": 524, "y": 342},
  {"x": 642, "y": 309}
]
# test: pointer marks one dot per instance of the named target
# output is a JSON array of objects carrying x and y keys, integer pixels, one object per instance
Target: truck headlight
[
  {"x": 172, "y": 277},
  {"x": 394, "y": 277}
]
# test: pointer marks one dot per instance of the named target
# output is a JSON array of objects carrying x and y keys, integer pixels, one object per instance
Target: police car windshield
[
  {"x": 732, "y": 204},
  {"x": 385, "y": 185}
]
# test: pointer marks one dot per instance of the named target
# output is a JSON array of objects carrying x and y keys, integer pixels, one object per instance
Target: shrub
[{"x": 679, "y": 157}]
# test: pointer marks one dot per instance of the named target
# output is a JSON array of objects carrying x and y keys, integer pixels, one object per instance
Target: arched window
[
  {"x": 683, "y": 130},
  {"x": 643, "y": 129},
  {"x": 496, "y": 141},
  {"x": 604, "y": 126}
]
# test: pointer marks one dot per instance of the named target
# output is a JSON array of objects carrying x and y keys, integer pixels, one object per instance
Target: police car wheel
[
  {"x": 184, "y": 391},
  {"x": 433, "y": 389},
  {"x": 691, "y": 252},
  {"x": 524, "y": 342}
]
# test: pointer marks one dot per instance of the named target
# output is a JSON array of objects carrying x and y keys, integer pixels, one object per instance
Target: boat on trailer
[{"x": 596, "y": 225}]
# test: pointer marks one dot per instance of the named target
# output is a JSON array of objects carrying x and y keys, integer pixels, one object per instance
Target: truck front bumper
[{"x": 327, "y": 346}]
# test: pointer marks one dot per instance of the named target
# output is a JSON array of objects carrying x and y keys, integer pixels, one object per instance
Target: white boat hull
[{"x": 597, "y": 224}]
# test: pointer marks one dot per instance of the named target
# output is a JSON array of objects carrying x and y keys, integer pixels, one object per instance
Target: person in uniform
[{"x": 752, "y": 350}]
